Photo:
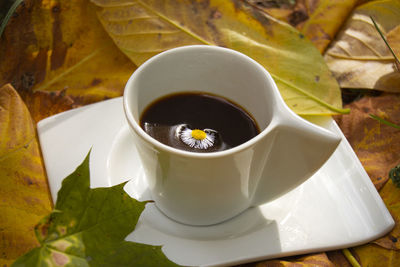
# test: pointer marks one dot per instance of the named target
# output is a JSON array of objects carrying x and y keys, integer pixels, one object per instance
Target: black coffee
[{"x": 198, "y": 122}]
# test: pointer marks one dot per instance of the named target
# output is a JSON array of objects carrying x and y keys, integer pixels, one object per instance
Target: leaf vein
[
  {"x": 15, "y": 150},
  {"x": 146, "y": 33},
  {"x": 363, "y": 58},
  {"x": 323, "y": 103},
  {"x": 45, "y": 85},
  {"x": 195, "y": 36}
]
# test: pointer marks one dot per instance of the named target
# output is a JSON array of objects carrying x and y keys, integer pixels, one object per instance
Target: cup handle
[{"x": 299, "y": 149}]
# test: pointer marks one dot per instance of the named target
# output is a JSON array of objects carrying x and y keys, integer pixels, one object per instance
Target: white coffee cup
[{"x": 208, "y": 188}]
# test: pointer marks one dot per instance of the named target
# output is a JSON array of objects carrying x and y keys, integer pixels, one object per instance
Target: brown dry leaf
[
  {"x": 359, "y": 58},
  {"x": 338, "y": 259},
  {"x": 24, "y": 195},
  {"x": 376, "y": 145},
  {"x": 42, "y": 104},
  {"x": 60, "y": 46},
  {"x": 319, "y": 20}
]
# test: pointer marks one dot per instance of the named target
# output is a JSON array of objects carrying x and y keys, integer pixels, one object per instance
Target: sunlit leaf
[
  {"x": 142, "y": 29},
  {"x": 359, "y": 58},
  {"x": 325, "y": 20},
  {"x": 24, "y": 196},
  {"x": 319, "y": 20},
  {"x": 88, "y": 227}
]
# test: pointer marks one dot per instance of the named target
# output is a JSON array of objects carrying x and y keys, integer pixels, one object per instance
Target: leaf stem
[
  {"x": 350, "y": 258},
  {"x": 4, "y": 21},
  {"x": 387, "y": 44},
  {"x": 384, "y": 121}
]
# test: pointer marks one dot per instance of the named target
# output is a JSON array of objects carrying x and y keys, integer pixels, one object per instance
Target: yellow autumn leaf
[
  {"x": 374, "y": 256},
  {"x": 326, "y": 18},
  {"x": 60, "y": 46},
  {"x": 142, "y": 29},
  {"x": 320, "y": 260},
  {"x": 388, "y": 251},
  {"x": 318, "y": 20},
  {"x": 24, "y": 194},
  {"x": 359, "y": 58}
]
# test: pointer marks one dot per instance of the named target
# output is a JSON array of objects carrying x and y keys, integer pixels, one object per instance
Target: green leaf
[
  {"x": 142, "y": 29},
  {"x": 88, "y": 227},
  {"x": 7, "y": 8}
]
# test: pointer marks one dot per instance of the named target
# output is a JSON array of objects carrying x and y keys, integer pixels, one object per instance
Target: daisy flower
[{"x": 196, "y": 138}]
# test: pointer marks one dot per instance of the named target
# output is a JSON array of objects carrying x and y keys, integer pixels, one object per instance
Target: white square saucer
[{"x": 338, "y": 207}]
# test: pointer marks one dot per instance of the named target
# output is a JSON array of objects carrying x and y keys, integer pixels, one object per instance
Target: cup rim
[{"x": 161, "y": 146}]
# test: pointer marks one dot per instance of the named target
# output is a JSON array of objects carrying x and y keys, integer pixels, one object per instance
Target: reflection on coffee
[{"x": 198, "y": 122}]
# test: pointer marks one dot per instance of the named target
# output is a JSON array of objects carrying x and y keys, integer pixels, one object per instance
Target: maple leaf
[{"x": 87, "y": 228}]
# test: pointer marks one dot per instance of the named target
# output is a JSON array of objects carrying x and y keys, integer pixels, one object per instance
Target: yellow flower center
[{"x": 198, "y": 134}]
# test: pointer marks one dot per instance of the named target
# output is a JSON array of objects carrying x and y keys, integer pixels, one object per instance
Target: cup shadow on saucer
[{"x": 155, "y": 228}]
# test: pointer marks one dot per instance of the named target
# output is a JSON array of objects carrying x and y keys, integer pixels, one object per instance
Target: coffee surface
[{"x": 198, "y": 122}]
